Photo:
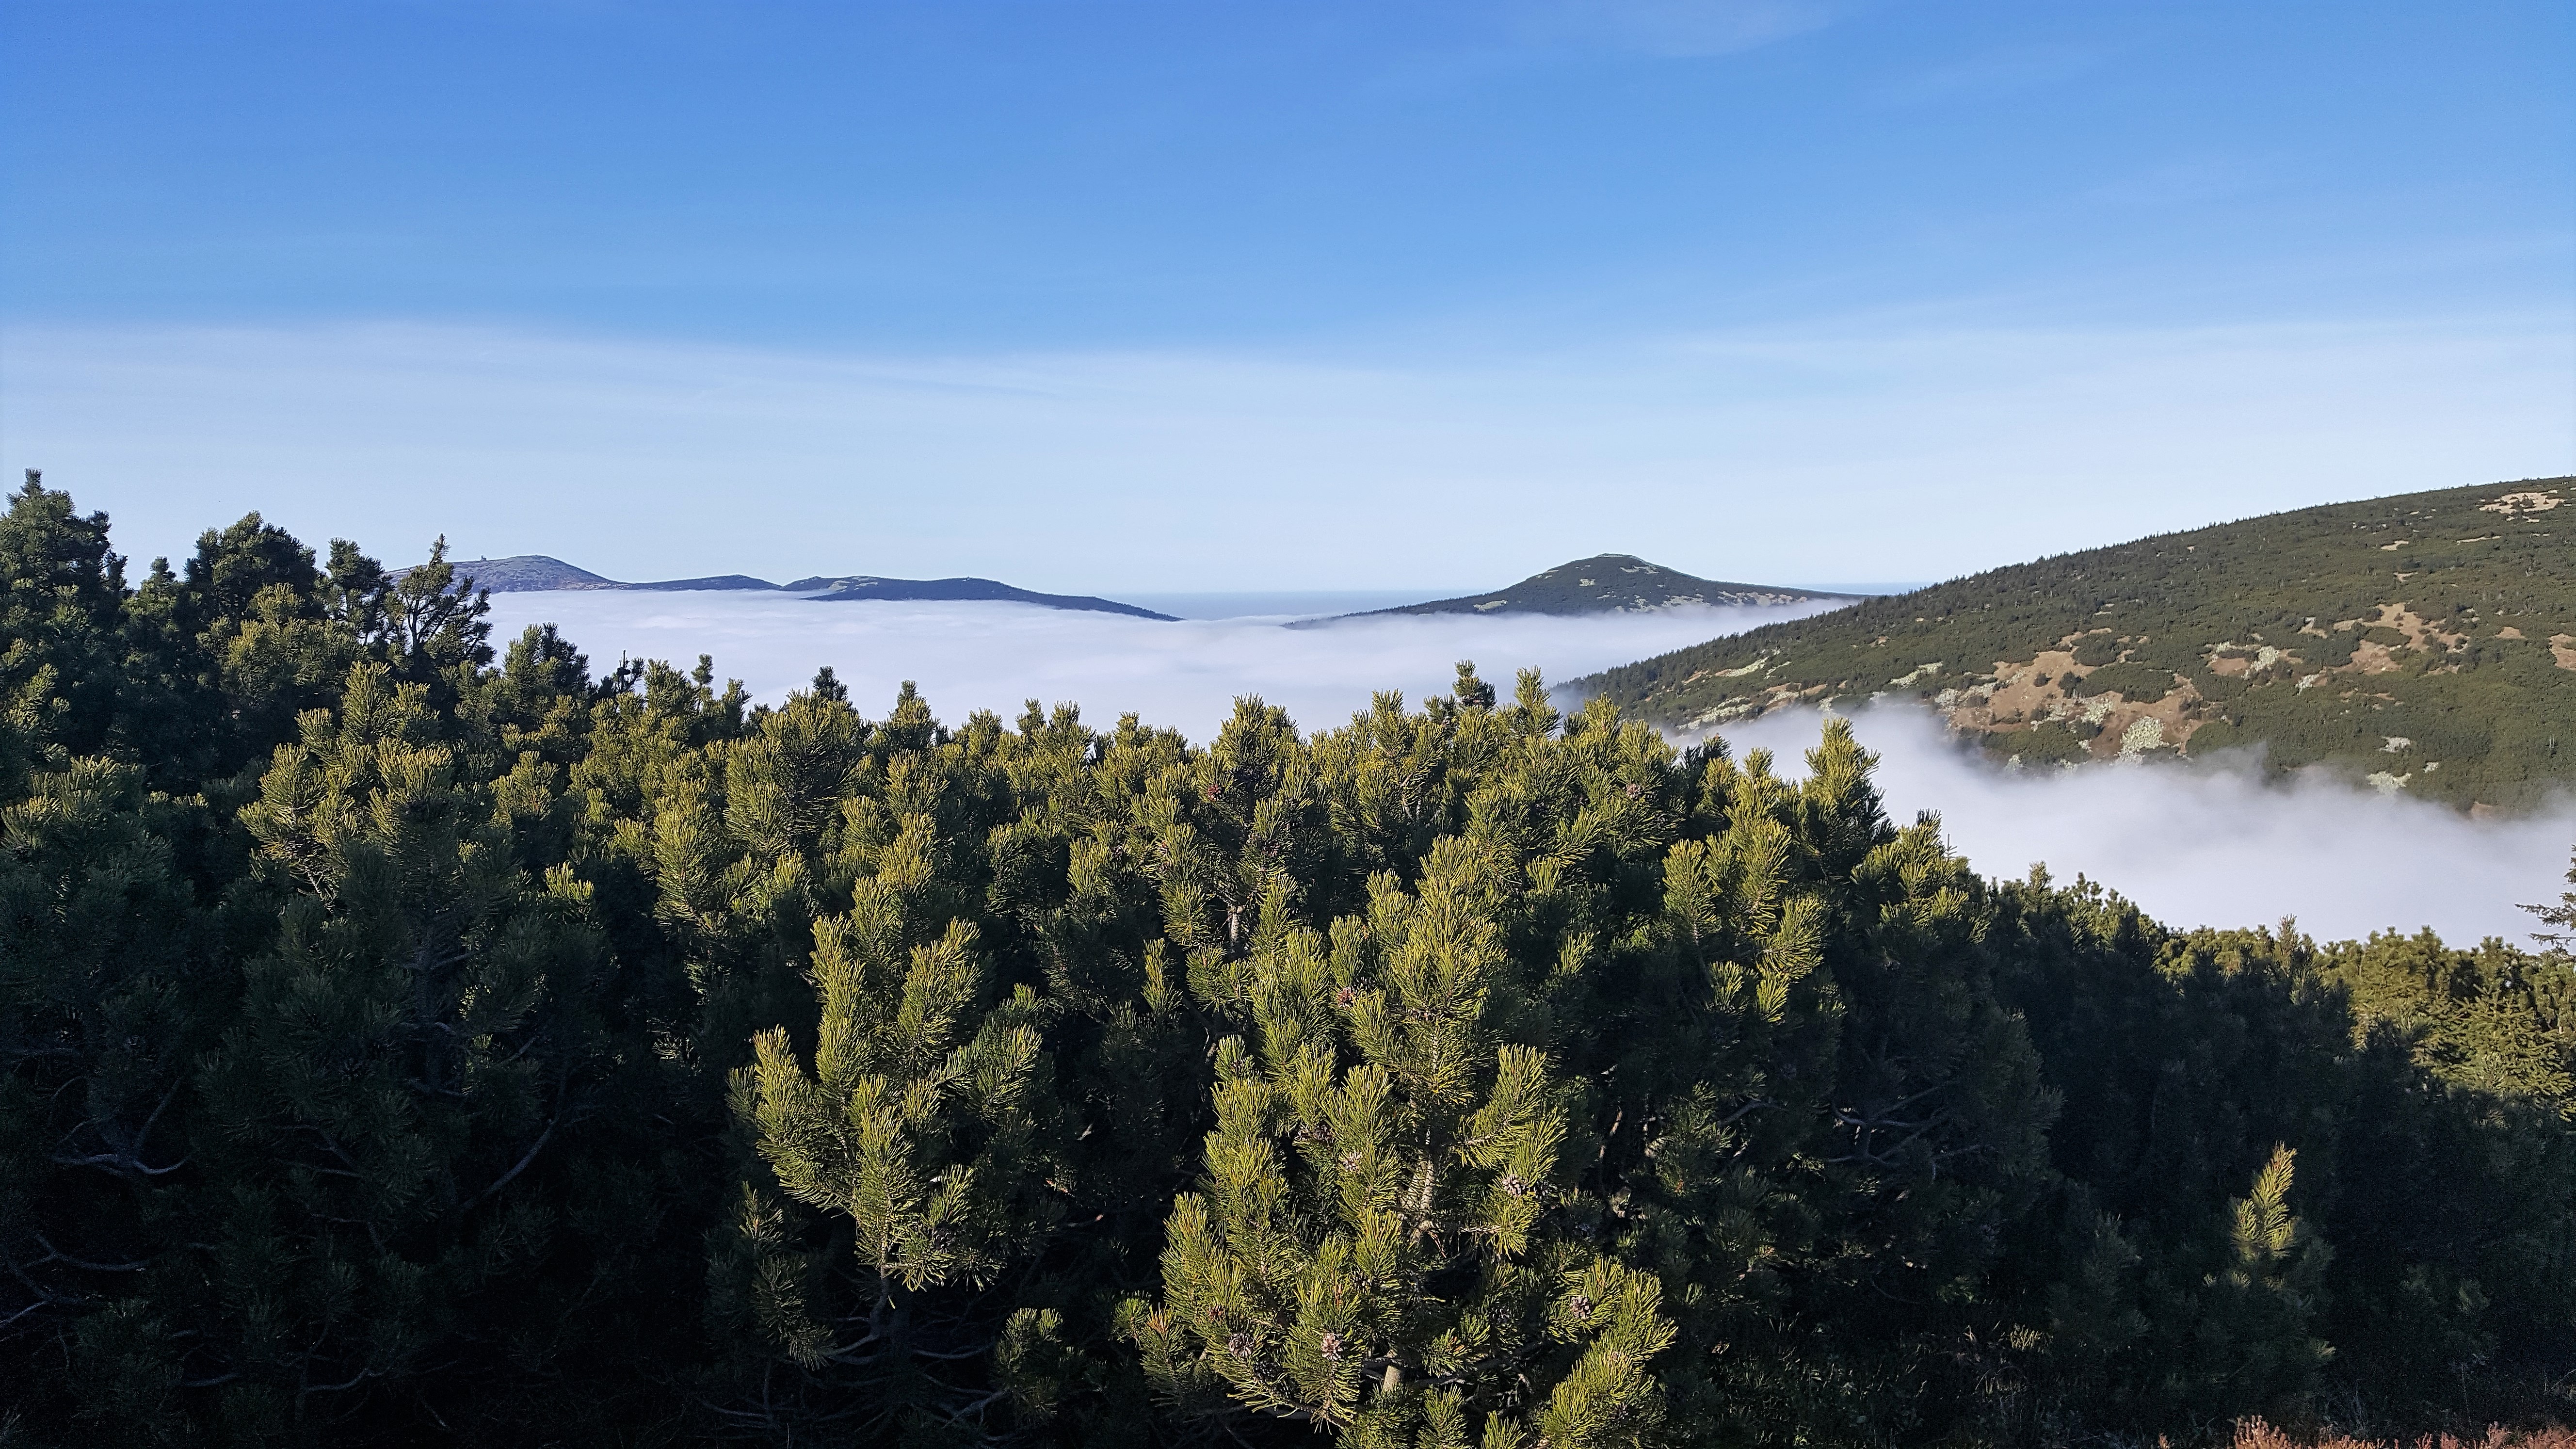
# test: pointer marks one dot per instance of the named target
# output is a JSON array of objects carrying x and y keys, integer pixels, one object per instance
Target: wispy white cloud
[
  {"x": 1678, "y": 28},
  {"x": 2183, "y": 182},
  {"x": 2008, "y": 70},
  {"x": 1856, "y": 448}
]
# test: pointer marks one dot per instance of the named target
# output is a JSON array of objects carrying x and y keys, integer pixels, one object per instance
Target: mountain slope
[
  {"x": 727, "y": 582},
  {"x": 529, "y": 573},
  {"x": 2426, "y": 642},
  {"x": 1602, "y": 584}
]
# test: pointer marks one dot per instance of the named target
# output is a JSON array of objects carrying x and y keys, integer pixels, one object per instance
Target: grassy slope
[
  {"x": 2323, "y": 634},
  {"x": 1604, "y": 583}
]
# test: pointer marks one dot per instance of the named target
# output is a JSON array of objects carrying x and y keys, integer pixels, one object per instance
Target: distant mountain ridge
[
  {"x": 863, "y": 587},
  {"x": 538, "y": 573},
  {"x": 2424, "y": 642},
  {"x": 1606, "y": 583},
  {"x": 532, "y": 573}
]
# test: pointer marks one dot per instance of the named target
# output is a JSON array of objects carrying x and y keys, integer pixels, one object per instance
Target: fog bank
[
  {"x": 1183, "y": 675},
  {"x": 2214, "y": 846},
  {"x": 2212, "y": 843}
]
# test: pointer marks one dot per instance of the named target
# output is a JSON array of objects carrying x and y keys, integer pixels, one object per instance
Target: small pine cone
[
  {"x": 1239, "y": 1344},
  {"x": 1581, "y": 1303},
  {"x": 1515, "y": 1184},
  {"x": 1331, "y": 1348}
]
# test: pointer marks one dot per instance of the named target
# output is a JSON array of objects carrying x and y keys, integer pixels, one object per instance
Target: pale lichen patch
[
  {"x": 2143, "y": 734},
  {"x": 2513, "y": 504}
]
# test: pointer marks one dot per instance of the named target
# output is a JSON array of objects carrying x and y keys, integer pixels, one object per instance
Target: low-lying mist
[
  {"x": 2212, "y": 843},
  {"x": 2203, "y": 845},
  {"x": 1183, "y": 675}
]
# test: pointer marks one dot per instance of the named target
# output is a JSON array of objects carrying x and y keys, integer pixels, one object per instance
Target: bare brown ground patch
[
  {"x": 2417, "y": 629},
  {"x": 2015, "y": 699},
  {"x": 2017, "y": 696}
]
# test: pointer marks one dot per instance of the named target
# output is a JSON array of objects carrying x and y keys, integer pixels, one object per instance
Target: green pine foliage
[{"x": 404, "y": 1041}]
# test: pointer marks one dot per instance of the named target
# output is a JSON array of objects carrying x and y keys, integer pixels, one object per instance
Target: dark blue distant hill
[
  {"x": 861, "y": 587},
  {"x": 719, "y": 581},
  {"x": 1606, "y": 583},
  {"x": 527, "y": 574},
  {"x": 537, "y": 573}
]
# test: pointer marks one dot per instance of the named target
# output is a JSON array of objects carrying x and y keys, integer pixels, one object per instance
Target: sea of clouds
[
  {"x": 2214, "y": 844},
  {"x": 1184, "y": 675},
  {"x": 2194, "y": 846}
]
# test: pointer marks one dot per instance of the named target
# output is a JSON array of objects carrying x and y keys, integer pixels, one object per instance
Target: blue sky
[{"x": 1279, "y": 295}]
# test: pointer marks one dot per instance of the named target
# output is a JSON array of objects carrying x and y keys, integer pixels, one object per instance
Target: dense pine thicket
[{"x": 404, "y": 1043}]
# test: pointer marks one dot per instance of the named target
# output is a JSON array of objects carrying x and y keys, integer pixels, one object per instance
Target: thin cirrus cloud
[
  {"x": 2004, "y": 71},
  {"x": 1675, "y": 28},
  {"x": 1747, "y": 453},
  {"x": 2182, "y": 182}
]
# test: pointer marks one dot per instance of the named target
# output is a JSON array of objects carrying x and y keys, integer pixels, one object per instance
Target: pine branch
[
  {"x": 506, "y": 1178},
  {"x": 57, "y": 1255},
  {"x": 123, "y": 1164}
]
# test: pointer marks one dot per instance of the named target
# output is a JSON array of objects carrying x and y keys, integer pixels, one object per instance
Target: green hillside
[
  {"x": 2425, "y": 642},
  {"x": 1602, "y": 584}
]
